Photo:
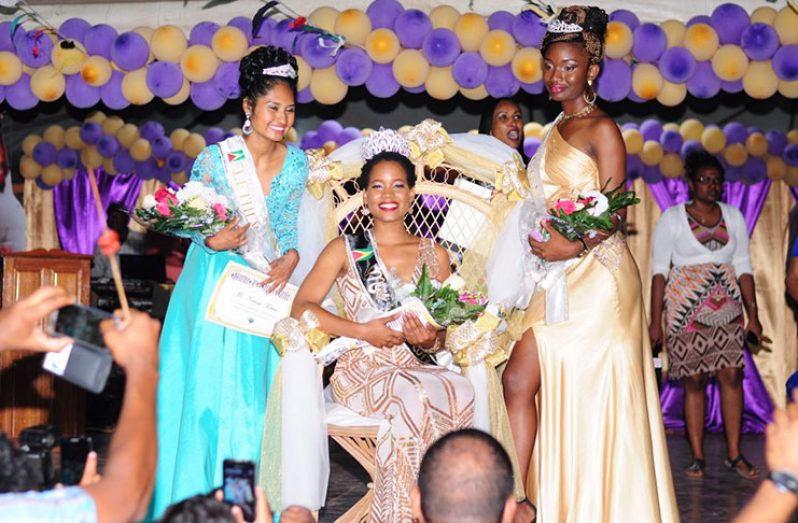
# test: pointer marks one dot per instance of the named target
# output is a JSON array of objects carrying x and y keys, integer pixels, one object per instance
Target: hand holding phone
[
  {"x": 239, "y": 486},
  {"x": 74, "y": 451}
]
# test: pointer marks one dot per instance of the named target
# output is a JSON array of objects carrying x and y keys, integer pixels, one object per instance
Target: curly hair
[
  {"x": 593, "y": 21},
  {"x": 698, "y": 159},
  {"x": 17, "y": 473},
  {"x": 200, "y": 508},
  {"x": 253, "y": 82},
  {"x": 387, "y": 156}
]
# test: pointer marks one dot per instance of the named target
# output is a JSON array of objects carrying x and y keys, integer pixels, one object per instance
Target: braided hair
[
  {"x": 593, "y": 21},
  {"x": 253, "y": 82}
]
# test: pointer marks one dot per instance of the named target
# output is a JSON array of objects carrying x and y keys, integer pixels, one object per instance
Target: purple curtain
[
  {"x": 75, "y": 213},
  {"x": 794, "y": 192}
]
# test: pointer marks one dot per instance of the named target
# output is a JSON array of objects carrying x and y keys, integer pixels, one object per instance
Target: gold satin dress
[{"x": 601, "y": 454}]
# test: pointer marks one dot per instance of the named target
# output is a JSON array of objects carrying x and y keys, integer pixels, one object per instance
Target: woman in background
[{"x": 504, "y": 120}]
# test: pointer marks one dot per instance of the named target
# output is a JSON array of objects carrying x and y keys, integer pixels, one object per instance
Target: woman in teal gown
[{"x": 214, "y": 380}]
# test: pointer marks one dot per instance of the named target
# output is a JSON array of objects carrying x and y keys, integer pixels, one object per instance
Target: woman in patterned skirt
[{"x": 701, "y": 250}]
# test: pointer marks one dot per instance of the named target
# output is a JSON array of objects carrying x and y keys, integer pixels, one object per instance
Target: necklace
[
  {"x": 581, "y": 112},
  {"x": 703, "y": 220}
]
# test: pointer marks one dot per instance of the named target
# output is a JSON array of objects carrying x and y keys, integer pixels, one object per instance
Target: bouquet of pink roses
[{"x": 194, "y": 208}]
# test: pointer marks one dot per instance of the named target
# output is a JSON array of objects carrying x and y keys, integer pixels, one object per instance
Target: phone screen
[
  {"x": 239, "y": 486},
  {"x": 79, "y": 323},
  {"x": 73, "y": 458}
]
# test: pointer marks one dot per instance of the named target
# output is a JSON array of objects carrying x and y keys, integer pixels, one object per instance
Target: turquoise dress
[{"x": 213, "y": 380}]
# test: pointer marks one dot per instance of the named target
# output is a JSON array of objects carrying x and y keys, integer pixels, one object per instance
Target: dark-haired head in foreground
[{"x": 465, "y": 477}]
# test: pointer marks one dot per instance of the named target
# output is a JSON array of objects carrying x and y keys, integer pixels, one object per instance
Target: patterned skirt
[{"x": 704, "y": 319}]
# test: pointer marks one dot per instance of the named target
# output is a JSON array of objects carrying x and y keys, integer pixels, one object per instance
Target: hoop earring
[
  {"x": 247, "y": 127},
  {"x": 366, "y": 210},
  {"x": 591, "y": 97}
]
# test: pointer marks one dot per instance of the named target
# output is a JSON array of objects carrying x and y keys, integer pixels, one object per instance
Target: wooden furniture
[
  {"x": 29, "y": 395},
  {"x": 361, "y": 443}
]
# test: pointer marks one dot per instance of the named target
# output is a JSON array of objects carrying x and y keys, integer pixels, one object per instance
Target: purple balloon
[
  {"x": 79, "y": 93},
  {"x": 123, "y": 162},
  {"x": 151, "y": 130},
  {"x": 501, "y": 82},
  {"x": 381, "y": 82},
  {"x": 651, "y": 174},
  {"x": 629, "y": 125},
  {"x": 6, "y": 43},
  {"x": 130, "y": 51},
  {"x": 176, "y": 161},
  {"x": 412, "y": 26},
  {"x": 759, "y": 41},
  {"x": 625, "y": 17},
  {"x": 202, "y": 33},
  {"x": 206, "y": 97},
  {"x": 790, "y": 154},
  {"x": 777, "y": 141},
  {"x": 533, "y": 88},
  {"x": 441, "y": 47},
  {"x": 531, "y": 145},
  {"x": 282, "y": 36},
  {"x": 634, "y": 166},
  {"x": 19, "y": 94},
  {"x": 732, "y": 87},
  {"x": 651, "y": 130},
  {"x": 161, "y": 147},
  {"x": 74, "y": 29},
  {"x": 729, "y": 21},
  {"x": 501, "y": 20},
  {"x": 243, "y": 23},
  {"x": 699, "y": 19},
  {"x": 145, "y": 170},
  {"x": 311, "y": 140},
  {"x": 704, "y": 83},
  {"x": 329, "y": 130},
  {"x": 91, "y": 132},
  {"x": 108, "y": 146},
  {"x": 383, "y": 13},
  {"x": 415, "y": 90},
  {"x": 528, "y": 29},
  {"x": 633, "y": 97},
  {"x": 213, "y": 135},
  {"x": 304, "y": 96},
  {"x": 162, "y": 172},
  {"x": 41, "y": 185},
  {"x": 689, "y": 146},
  {"x": 677, "y": 65},
  {"x": 754, "y": 170},
  {"x": 650, "y": 42},
  {"x": 316, "y": 52},
  {"x": 226, "y": 80},
  {"x": 33, "y": 48},
  {"x": 99, "y": 40},
  {"x": 735, "y": 133},
  {"x": 785, "y": 63},
  {"x": 615, "y": 80},
  {"x": 353, "y": 66},
  {"x": 348, "y": 134},
  {"x": 111, "y": 92},
  {"x": 731, "y": 174},
  {"x": 470, "y": 70},
  {"x": 265, "y": 33},
  {"x": 671, "y": 141},
  {"x": 44, "y": 153},
  {"x": 164, "y": 79},
  {"x": 67, "y": 158}
]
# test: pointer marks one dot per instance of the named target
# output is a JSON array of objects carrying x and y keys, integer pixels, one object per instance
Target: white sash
[{"x": 239, "y": 168}]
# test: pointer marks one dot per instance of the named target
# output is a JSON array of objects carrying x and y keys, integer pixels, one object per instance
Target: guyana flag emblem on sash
[{"x": 234, "y": 156}]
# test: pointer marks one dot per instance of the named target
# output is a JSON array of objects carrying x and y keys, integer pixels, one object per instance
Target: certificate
[{"x": 240, "y": 302}]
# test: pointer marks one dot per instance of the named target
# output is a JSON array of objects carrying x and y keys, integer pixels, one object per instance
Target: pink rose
[
  {"x": 220, "y": 211},
  {"x": 163, "y": 208},
  {"x": 566, "y": 206},
  {"x": 165, "y": 195}
]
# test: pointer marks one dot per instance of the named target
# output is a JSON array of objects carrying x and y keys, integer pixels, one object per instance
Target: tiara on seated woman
[
  {"x": 384, "y": 140},
  {"x": 284, "y": 70}
]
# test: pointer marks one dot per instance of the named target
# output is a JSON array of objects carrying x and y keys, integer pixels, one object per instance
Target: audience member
[
  {"x": 117, "y": 220},
  {"x": 12, "y": 218},
  {"x": 465, "y": 477},
  {"x": 204, "y": 508},
  {"x": 17, "y": 474}
]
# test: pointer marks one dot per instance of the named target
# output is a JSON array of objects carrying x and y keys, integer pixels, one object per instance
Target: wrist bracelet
[
  {"x": 784, "y": 480},
  {"x": 585, "y": 249}
]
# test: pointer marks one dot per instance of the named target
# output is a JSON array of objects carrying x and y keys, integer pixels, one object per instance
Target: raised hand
[{"x": 20, "y": 324}]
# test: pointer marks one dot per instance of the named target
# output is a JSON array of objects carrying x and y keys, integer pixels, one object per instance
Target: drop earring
[
  {"x": 589, "y": 94},
  {"x": 247, "y": 127}
]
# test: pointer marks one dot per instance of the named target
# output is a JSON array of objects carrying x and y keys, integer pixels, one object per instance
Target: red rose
[
  {"x": 566, "y": 206},
  {"x": 220, "y": 211},
  {"x": 163, "y": 208},
  {"x": 165, "y": 195}
]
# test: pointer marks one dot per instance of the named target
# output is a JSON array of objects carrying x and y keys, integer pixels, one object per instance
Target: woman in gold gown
[{"x": 599, "y": 451}]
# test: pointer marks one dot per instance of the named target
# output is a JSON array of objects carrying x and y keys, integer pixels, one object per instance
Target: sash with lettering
[{"x": 239, "y": 169}]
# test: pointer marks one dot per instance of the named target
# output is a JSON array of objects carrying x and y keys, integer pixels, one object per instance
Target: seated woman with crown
[{"x": 382, "y": 378}]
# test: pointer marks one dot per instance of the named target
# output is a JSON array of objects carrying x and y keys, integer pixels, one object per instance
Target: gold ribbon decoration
[
  {"x": 427, "y": 141},
  {"x": 511, "y": 179},
  {"x": 290, "y": 334},
  {"x": 476, "y": 341},
  {"x": 321, "y": 169}
]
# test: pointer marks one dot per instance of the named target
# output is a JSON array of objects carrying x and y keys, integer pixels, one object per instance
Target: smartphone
[
  {"x": 74, "y": 451},
  {"x": 79, "y": 322},
  {"x": 239, "y": 486}
]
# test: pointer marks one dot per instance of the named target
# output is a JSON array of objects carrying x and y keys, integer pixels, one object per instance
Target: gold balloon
[
  {"x": 792, "y": 136},
  {"x": 29, "y": 142},
  {"x": 475, "y": 93},
  {"x": 672, "y": 94},
  {"x": 180, "y": 178},
  {"x": 764, "y": 15},
  {"x": 108, "y": 166},
  {"x": 735, "y": 154},
  {"x": 382, "y": 45},
  {"x": 647, "y": 81},
  {"x": 788, "y": 89},
  {"x": 701, "y": 40},
  {"x": 140, "y": 150},
  {"x": 324, "y": 18},
  {"x": 135, "y": 89},
  {"x": 527, "y": 65},
  {"x": 691, "y": 129},
  {"x": 96, "y": 116},
  {"x": 671, "y": 165},
  {"x": 28, "y": 168},
  {"x": 760, "y": 81},
  {"x": 354, "y": 25},
  {"x": 112, "y": 124},
  {"x": 470, "y": 29},
  {"x": 304, "y": 73},
  {"x": 497, "y": 48},
  {"x": 52, "y": 175},
  {"x": 329, "y": 146},
  {"x": 168, "y": 43},
  {"x": 91, "y": 157},
  {"x": 96, "y": 71},
  {"x": 786, "y": 25},
  {"x": 238, "y": 132},
  {"x": 756, "y": 144},
  {"x": 72, "y": 138},
  {"x": 674, "y": 31},
  {"x": 791, "y": 176},
  {"x": 69, "y": 174},
  {"x": 194, "y": 145},
  {"x": 68, "y": 59},
  {"x": 178, "y": 138},
  {"x": 410, "y": 68},
  {"x": 181, "y": 96},
  {"x": 10, "y": 68},
  {"x": 47, "y": 84},
  {"x": 291, "y": 135},
  {"x": 652, "y": 153},
  {"x": 533, "y": 130},
  {"x": 730, "y": 62},
  {"x": 713, "y": 139},
  {"x": 199, "y": 63},
  {"x": 776, "y": 167},
  {"x": 127, "y": 135},
  {"x": 230, "y": 44},
  {"x": 55, "y": 135},
  {"x": 670, "y": 126},
  {"x": 633, "y": 139},
  {"x": 326, "y": 87},
  {"x": 444, "y": 16},
  {"x": 440, "y": 84},
  {"x": 618, "y": 40}
]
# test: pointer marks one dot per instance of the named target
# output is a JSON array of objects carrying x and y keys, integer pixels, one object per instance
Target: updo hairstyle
[
  {"x": 387, "y": 156},
  {"x": 253, "y": 82},
  {"x": 593, "y": 21}
]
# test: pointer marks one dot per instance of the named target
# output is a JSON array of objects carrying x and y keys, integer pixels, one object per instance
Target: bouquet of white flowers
[{"x": 195, "y": 208}]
